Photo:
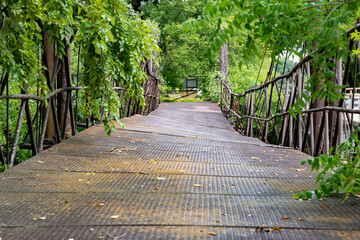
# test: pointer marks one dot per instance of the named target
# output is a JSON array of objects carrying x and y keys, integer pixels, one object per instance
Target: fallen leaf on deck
[
  {"x": 115, "y": 216},
  {"x": 298, "y": 169},
  {"x": 300, "y": 219},
  {"x": 285, "y": 218},
  {"x": 99, "y": 204},
  {"x": 212, "y": 233},
  {"x": 132, "y": 141},
  {"x": 154, "y": 160},
  {"x": 41, "y": 162},
  {"x": 90, "y": 174},
  {"x": 197, "y": 185},
  {"x": 277, "y": 229},
  {"x": 256, "y": 158},
  {"x": 260, "y": 228},
  {"x": 159, "y": 178}
]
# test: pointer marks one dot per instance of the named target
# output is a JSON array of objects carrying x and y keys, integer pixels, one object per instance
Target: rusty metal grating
[{"x": 168, "y": 185}]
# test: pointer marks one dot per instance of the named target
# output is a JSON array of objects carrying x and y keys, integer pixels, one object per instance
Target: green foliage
[
  {"x": 113, "y": 44},
  {"x": 355, "y": 36},
  {"x": 14, "y": 106},
  {"x": 184, "y": 54},
  {"x": 210, "y": 88},
  {"x": 166, "y": 99},
  {"x": 339, "y": 173},
  {"x": 3, "y": 167},
  {"x": 300, "y": 27},
  {"x": 240, "y": 79}
]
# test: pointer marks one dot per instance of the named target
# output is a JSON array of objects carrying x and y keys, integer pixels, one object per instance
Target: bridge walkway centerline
[{"x": 182, "y": 172}]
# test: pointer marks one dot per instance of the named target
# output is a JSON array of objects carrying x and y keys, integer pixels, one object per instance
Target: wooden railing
[
  {"x": 36, "y": 125},
  {"x": 263, "y": 111}
]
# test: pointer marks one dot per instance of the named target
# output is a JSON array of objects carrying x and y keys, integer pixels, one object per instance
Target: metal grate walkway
[{"x": 181, "y": 172}]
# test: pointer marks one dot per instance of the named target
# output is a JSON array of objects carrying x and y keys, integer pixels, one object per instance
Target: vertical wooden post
[
  {"x": 326, "y": 131},
  {"x": 30, "y": 128},
  {"x": 237, "y": 120},
  {"x": 252, "y": 114},
  {"x": 248, "y": 112},
  {"x": 69, "y": 98},
  {"x": 232, "y": 104},
  {"x": 265, "y": 132},
  {"x": 286, "y": 97},
  {"x": 221, "y": 95},
  {"x": 17, "y": 133},
  {"x": 300, "y": 123},
  {"x": 44, "y": 125},
  {"x": 291, "y": 131}
]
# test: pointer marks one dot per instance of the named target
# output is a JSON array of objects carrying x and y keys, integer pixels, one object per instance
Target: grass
[{"x": 166, "y": 99}]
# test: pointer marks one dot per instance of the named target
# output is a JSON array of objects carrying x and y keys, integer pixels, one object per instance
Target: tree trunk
[
  {"x": 61, "y": 82},
  {"x": 224, "y": 60},
  {"x": 49, "y": 57}
]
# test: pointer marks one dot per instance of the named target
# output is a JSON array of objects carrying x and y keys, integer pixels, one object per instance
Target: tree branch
[{"x": 322, "y": 4}]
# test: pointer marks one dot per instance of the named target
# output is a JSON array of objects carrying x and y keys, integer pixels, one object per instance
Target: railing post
[
  {"x": 252, "y": 114},
  {"x": 326, "y": 131},
  {"x": 17, "y": 133},
  {"x": 221, "y": 95},
  {"x": 237, "y": 120},
  {"x": 231, "y": 107},
  {"x": 300, "y": 130}
]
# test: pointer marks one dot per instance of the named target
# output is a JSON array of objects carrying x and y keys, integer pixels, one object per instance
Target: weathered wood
[
  {"x": 67, "y": 106},
  {"x": 23, "y": 97},
  {"x": 56, "y": 121},
  {"x": 2, "y": 156},
  {"x": 4, "y": 81},
  {"x": 300, "y": 130},
  {"x": 68, "y": 80},
  {"x": 30, "y": 128},
  {"x": 17, "y": 133},
  {"x": 252, "y": 114},
  {"x": 327, "y": 141},
  {"x": 43, "y": 129}
]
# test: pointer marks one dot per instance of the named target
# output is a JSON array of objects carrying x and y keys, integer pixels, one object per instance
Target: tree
[
  {"x": 37, "y": 40},
  {"x": 280, "y": 26},
  {"x": 113, "y": 44},
  {"x": 183, "y": 54}
]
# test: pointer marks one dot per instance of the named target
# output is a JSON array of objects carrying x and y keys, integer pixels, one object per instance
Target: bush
[{"x": 340, "y": 173}]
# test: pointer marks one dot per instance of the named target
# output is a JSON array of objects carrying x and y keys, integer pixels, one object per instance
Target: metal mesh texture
[{"x": 180, "y": 173}]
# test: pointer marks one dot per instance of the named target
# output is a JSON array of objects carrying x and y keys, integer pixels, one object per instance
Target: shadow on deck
[{"x": 181, "y": 172}]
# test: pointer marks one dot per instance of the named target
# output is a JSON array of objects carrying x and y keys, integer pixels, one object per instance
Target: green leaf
[{"x": 292, "y": 112}]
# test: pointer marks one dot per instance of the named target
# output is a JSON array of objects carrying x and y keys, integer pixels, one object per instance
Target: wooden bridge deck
[{"x": 182, "y": 172}]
